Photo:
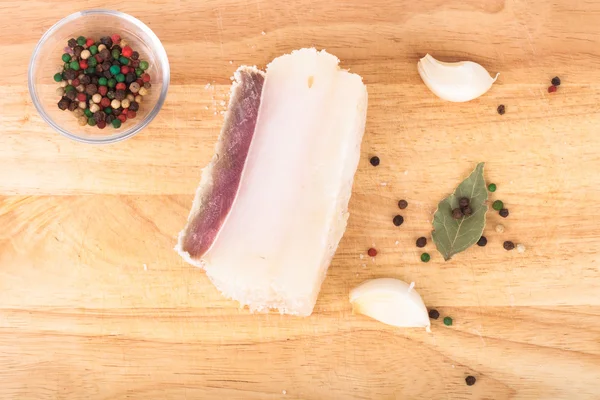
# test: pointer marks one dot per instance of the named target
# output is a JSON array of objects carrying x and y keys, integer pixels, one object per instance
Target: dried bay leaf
[{"x": 451, "y": 236}]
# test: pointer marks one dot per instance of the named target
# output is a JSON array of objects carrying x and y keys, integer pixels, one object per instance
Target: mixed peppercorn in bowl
[{"x": 99, "y": 76}]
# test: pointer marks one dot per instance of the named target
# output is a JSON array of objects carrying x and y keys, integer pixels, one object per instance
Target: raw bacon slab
[{"x": 272, "y": 205}]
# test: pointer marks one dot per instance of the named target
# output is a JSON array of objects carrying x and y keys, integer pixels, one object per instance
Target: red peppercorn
[
  {"x": 140, "y": 82},
  {"x": 83, "y": 64},
  {"x": 127, "y": 52},
  {"x": 75, "y": 82},
  {"x": 131, "y": 114},
  {"x": 552, "y": 89},
  {"x": 146, "y": 77},
  {"x": 372, "y": 252},
  {"x": 121, "y": 86},
  {"x": 116, "y": 39},
  {"x": 102, "y": 90},
  {"x": 101, "y": 124},
  {"x": 105, "y": 102},
  {"x": 89, "y": 42},
  {"x": 81, "y": 97},
  {"x": 122, "y": 117},
  {"x": 98, "y": 58},
  {"x": 124, "y": 69}
]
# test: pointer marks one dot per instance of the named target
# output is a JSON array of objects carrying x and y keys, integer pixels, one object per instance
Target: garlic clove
[
  {"x": 457, "y": 82},
  {"x": 390, "y": 301}
]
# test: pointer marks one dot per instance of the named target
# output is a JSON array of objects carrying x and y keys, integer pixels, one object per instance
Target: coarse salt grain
[
  {"x": 499, "y": 228},
  {"x": 521, "y": 248}
]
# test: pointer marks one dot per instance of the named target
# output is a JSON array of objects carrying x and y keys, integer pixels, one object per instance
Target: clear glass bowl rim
[{"x": 156, "y": 46}]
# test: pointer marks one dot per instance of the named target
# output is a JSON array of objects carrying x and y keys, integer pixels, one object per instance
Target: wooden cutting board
[{"x": 95, "y": 304}]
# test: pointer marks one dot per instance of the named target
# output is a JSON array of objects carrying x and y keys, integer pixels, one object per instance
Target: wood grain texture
[{"x": 94, "y": 304}]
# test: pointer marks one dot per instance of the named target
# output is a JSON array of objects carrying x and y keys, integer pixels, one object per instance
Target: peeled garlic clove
[
  {"x": 458, "y": 82},
  {"x": 390, "y": 301}
]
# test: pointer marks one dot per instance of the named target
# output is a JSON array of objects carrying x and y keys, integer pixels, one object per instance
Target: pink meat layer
[{"x": 228, "y": 164}]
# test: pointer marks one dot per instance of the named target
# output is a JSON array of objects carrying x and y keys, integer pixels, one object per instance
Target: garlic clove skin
[
  {"x": 456, "y": 82},
  {"x": 390, "y": 301}
]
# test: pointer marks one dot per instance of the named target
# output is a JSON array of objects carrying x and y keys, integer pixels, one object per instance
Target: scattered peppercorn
[
  {"x": 425, "y": 257},
  {"x": 552, "y": 89},
  {"x": 434, "y": 314},
  {"x": 482, "y": 241},
  {"x": 374, "y": 160},
  {"x": 463, "y": 202},
  {"x": 447, "y": 321},
  {"x": 498, "y": 205},
  {"x": 457, "y": 213},
  {"x": 421, "y": 242},
  {"x": 503, "y": 212},
  {"x": 402, "y": 204},
  {"x": 508, "y": 245},
  {"x": 467, "y": 211},
  {"x": 470, "y": 380},
  {"x": 492, "y": 187},
  {"x": 501, "y": 109},
  {"x": 398, "y": 220},
  {"x": 556, "y": 81},
  {"x": 372, "y": 252}
]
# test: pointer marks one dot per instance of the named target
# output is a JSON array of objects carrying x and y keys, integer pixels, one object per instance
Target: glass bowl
[{"x": 46, "y": 61}]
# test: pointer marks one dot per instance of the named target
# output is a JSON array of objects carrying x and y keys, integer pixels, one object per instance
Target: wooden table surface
[{"x": 95, "y": 304}]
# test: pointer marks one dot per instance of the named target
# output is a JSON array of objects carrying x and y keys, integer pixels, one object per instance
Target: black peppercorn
[
  {"x": 120, "y": 94},
  {"x": 134, "y": 106},
  {"x": 110, "y": 94},
  {"x": 457, "y": 213},
  {"x": 106, "y": 65},
  {"x": 147, "y": 85},
  {"x": 482, "y": 241},
  {"x": 130, "y": 77},
  {"x": 501, "y": 109},
  {"x": 116, "y": 47},
  {"x": 508, "y": 245},
  {"x": 434, "y": 314},
  {"x": 374, "y": 161},
  {"x": 398, "y": 220},
  {"x": 85, "y": 79},
  {"x": 135, "y": 55},
  {"x": 107, "y": 73},
  {"x": 71, "y": 94},
  {"x": 63, "y": 103},
  {"x": 463, "y": 202},
  {"x": 470, "y": 380},
  {"x": 117, "y": 111},
  {"x": 421, "y": 242},
  {"x": 503, "y": 212},
  {"x": 109, "y": 119},
  {"x": 104, "y": 54},
  {"x": 107, "y": 41},
  {"x": 556, "y": 81},
  {"x": 77, "y": 51},
  {"x": 402, "y": 204},
  {"x": 91, "y": 89},
  {"x": 116, "y": 62},
  {"x": 95, "y": 80},
  {"x": 99, "y": 69},
  {"x": 72, "y": 43},
  {"x": 70, "y": 74},
  {"x": 73, "y": 106},
  {"x": 99, "y": 116},
  {"x": 467, "y": 211}
]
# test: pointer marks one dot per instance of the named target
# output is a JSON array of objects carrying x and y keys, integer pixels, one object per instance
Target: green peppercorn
[
  {"x": 93, "y": 49},
  {"x": 138, "y": 72},
  {"x": 108, "y": 110},
  {"x": 114, "y": 69},
  {"x": 81, "y": 40},
  {"x": 447, "y": 321},
  {"x": 425, "y": 257},
  {"x": 102, "y": 81},
  {"x": 120, "y": 78},
  {"x": 74, "y": 65},
  {"x": 91, "y": 121},
  {"x": 115, "y": 53},
  {"x": 116, "y": 123},
  {"x": 58, "y": 77},
  {"x": 66, "y": 57},
  {"x": 111, "y": 82},
  {"x": 124, "y": 60},
  {"x": 69, "y": 88},
  {"x": 92, "y": 62},
  {"x": 90, "y": 70},
  {"x": 144, "y": 65},
  {"x": 87, "y": 112},
  {"x": 498, "y": 205},
  {"x": 492, "y": 187}
]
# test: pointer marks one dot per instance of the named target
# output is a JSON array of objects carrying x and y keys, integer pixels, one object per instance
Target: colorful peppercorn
[
  {"x": 482, "y": 241},
  {"x": 457, "y": 213},
  {"x": 492, "y": 187},
  {"x": 434, "y": 314},
  {"x": 144, "y": 65},
  {"x": 372, "y": 252},
  {"x": 498, "y": 205},
  {"x": 501, "y": 109},
  {"x": 503, "y": 212},
  {"x": 552, "y": 89},
  {"x": 402, "y": 204},
  {"x": 398, "y": 220},
  {"x": 425, "y": 257},
  {"x": 447, "y": 321},
  {"x": 555, "y": 81},
  {"x": 421, "y": 242},
  {"x": 470, "y": 380},
  {"x": 508, "y": 245}
]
